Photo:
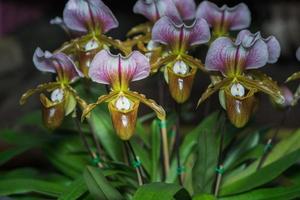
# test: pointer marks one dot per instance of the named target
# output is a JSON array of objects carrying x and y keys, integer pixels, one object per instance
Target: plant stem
[
  {"x": 177, "y": 143},
  {"x": 270, "y": 141},
  {"x": 85, "y": 142},
  {"x": 96, "y": 141},
  {"x": 219, "y": 180},
  {"x": 137, "y": 166},
  {"x": 165, "y": 146}
]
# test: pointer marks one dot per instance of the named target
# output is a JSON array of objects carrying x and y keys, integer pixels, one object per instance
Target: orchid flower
[
  {"x": 224, "y": 19},
  {"x": 236, "y": 62},
  {"x": 118, "y": 71},
  {"x": 90, "y": 19},
  {"x": 180, "y": 67},
  {"x": 62, "y": 98},
  {"x": 153, "y": 10},
  {"x": 295, "y": 76}
]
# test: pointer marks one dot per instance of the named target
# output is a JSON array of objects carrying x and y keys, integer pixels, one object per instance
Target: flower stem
[
  {"x": 136, "y": 163},
  {"x": 220, "y": 171},
  {"x": 96, "y": 141},
  {"x": 165, "y": 146},
  {"x": 177, "y": 143}
]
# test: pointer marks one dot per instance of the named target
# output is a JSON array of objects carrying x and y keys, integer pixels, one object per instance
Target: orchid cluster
[{"x": 165, "y": 44}]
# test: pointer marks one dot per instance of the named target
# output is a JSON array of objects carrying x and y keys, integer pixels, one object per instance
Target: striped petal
[
  {"x": 248, "y": 39},
  {"x": 234, "y": 18},
  {"x": 186, "y": 8},
  {"x": 153, "y": 10},
  {"x": 58, "y": 63},
  {"x": 180, "y": 36},
  {"x": 226, "y": 56},
  {"x": 87, "y": 15},
  {"x": 117, "y": 70}
]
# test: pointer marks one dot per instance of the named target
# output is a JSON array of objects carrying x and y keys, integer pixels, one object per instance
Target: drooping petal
[
  {"x": 58, "y": 63},
  {"x": 179, "y": 36},
  {"x": 153, "y": 9},
  {"x": 298, "y": 54},
  {"x": 186, "y": 8},
  {"x": 86, "y": 15},
  {"x": 160, "y": 112},
  {"x": 224, "y": 18},
  {"x": 117, "y": 70}
]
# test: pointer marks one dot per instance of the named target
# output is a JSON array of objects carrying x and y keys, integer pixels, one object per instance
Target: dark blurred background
[{"x": 24, "y": 25}]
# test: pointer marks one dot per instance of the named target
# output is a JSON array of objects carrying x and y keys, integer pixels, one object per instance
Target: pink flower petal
[
  {"x": 224, "y": 55},
  {"x": 186, "y": 8},
  {"x": 288, "y": 96},
  {"x": 165, "y": 31},
  {"x": 83, "y": 15},
  {"x": 117, "y": 70},
  {"x": 58, "y": 63},
  {"x": 234, "y": 18},
  {"x": 153, "y": 10},
  {"x": 248, "y": 39}
]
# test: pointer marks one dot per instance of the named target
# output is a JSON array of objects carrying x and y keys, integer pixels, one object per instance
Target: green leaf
[
  {"x": 284, "y": 155},
  {"x": 98, "y": 185},
  {"x": 75, "y": 190},
  {"x": 155, "y": 151},
  {"x": 189, "y": 143},
  {"x": 204, "y": 197},
  {"x": 8, "y": 154},
  {"x": 206, "y": 161},
  {"x": 161, "y": 191},
  {"x": 142, "y": 153},
  {"x": 278, "y": 193},
  {"x": 102, "y": 126},
  {"x": 22, "y": 186}
]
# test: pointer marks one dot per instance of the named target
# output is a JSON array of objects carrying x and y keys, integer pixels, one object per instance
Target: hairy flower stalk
[{"x": 239, "y": 80}]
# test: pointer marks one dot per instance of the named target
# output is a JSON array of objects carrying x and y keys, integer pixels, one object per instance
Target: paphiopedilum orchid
[
  {"x": 236, "y": 62},
  {"x": 295, "y": 76},
  {"x": 179, "y": 66},
  {"x": 153, "y": 10},
  {"x": 224, "y": 19},
  {"x": 63, "y": 98},
  {"x": 90, "y": 19},
  {"x": 118, "y": 71}
]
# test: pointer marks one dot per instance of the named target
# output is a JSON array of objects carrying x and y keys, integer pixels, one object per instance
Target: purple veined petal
[
  {"x": 58, "y": 63},
  {"x": 165, "y": 31},
  {"x": 247, "y": 39},
  {"x": 298, "y": 54},
  {"x": 218, "y": 53},
  {"x": 153, "y": 10},
  {"x": 42, "y": 62},
  {"x": 117, "y": 70},
  {"x": 186, "y": 8},
  {"x": 273, "y": 49},
  {"x": 83, "y": 15},
  {"x": 234, "y": 18},
  {"x": 257, "y": 56}
]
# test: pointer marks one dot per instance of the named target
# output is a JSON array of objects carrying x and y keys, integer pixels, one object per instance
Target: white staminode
[
  {"x": 180, "y": 67},
  {"x": 123, "y": 103},
  {"x": 237, "y": 90},
  {"x": 92, "y": 44},
  {"x": 57, "y": 95}
]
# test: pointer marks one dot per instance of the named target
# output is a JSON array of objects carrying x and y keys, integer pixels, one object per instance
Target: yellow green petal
[{"x": 294, "y": 76}]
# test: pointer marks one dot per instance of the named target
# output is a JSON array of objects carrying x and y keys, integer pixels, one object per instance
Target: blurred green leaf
[
  {"x": 99, "y": 186},
  {"x": 8, "y": 154},
  {"x": 278, "y": 193},
  {"x": 189, "y": 143},
  {"x": 75, "y": 190},
  {"x": 21, "y": 186},
  {"x": 101, "y": 124},
  {"x": 204, "y": 197},
  {"x": 161, "y": 191},
  {"x": 206, "y": 161},
  {"x": 282, "y": 156}
]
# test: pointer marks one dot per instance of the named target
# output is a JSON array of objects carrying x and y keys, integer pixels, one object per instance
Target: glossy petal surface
[
  {"x": 155, "y": 9},
  {"x": 117, "y": 70},
  {"x": 84, "y": 15}
]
